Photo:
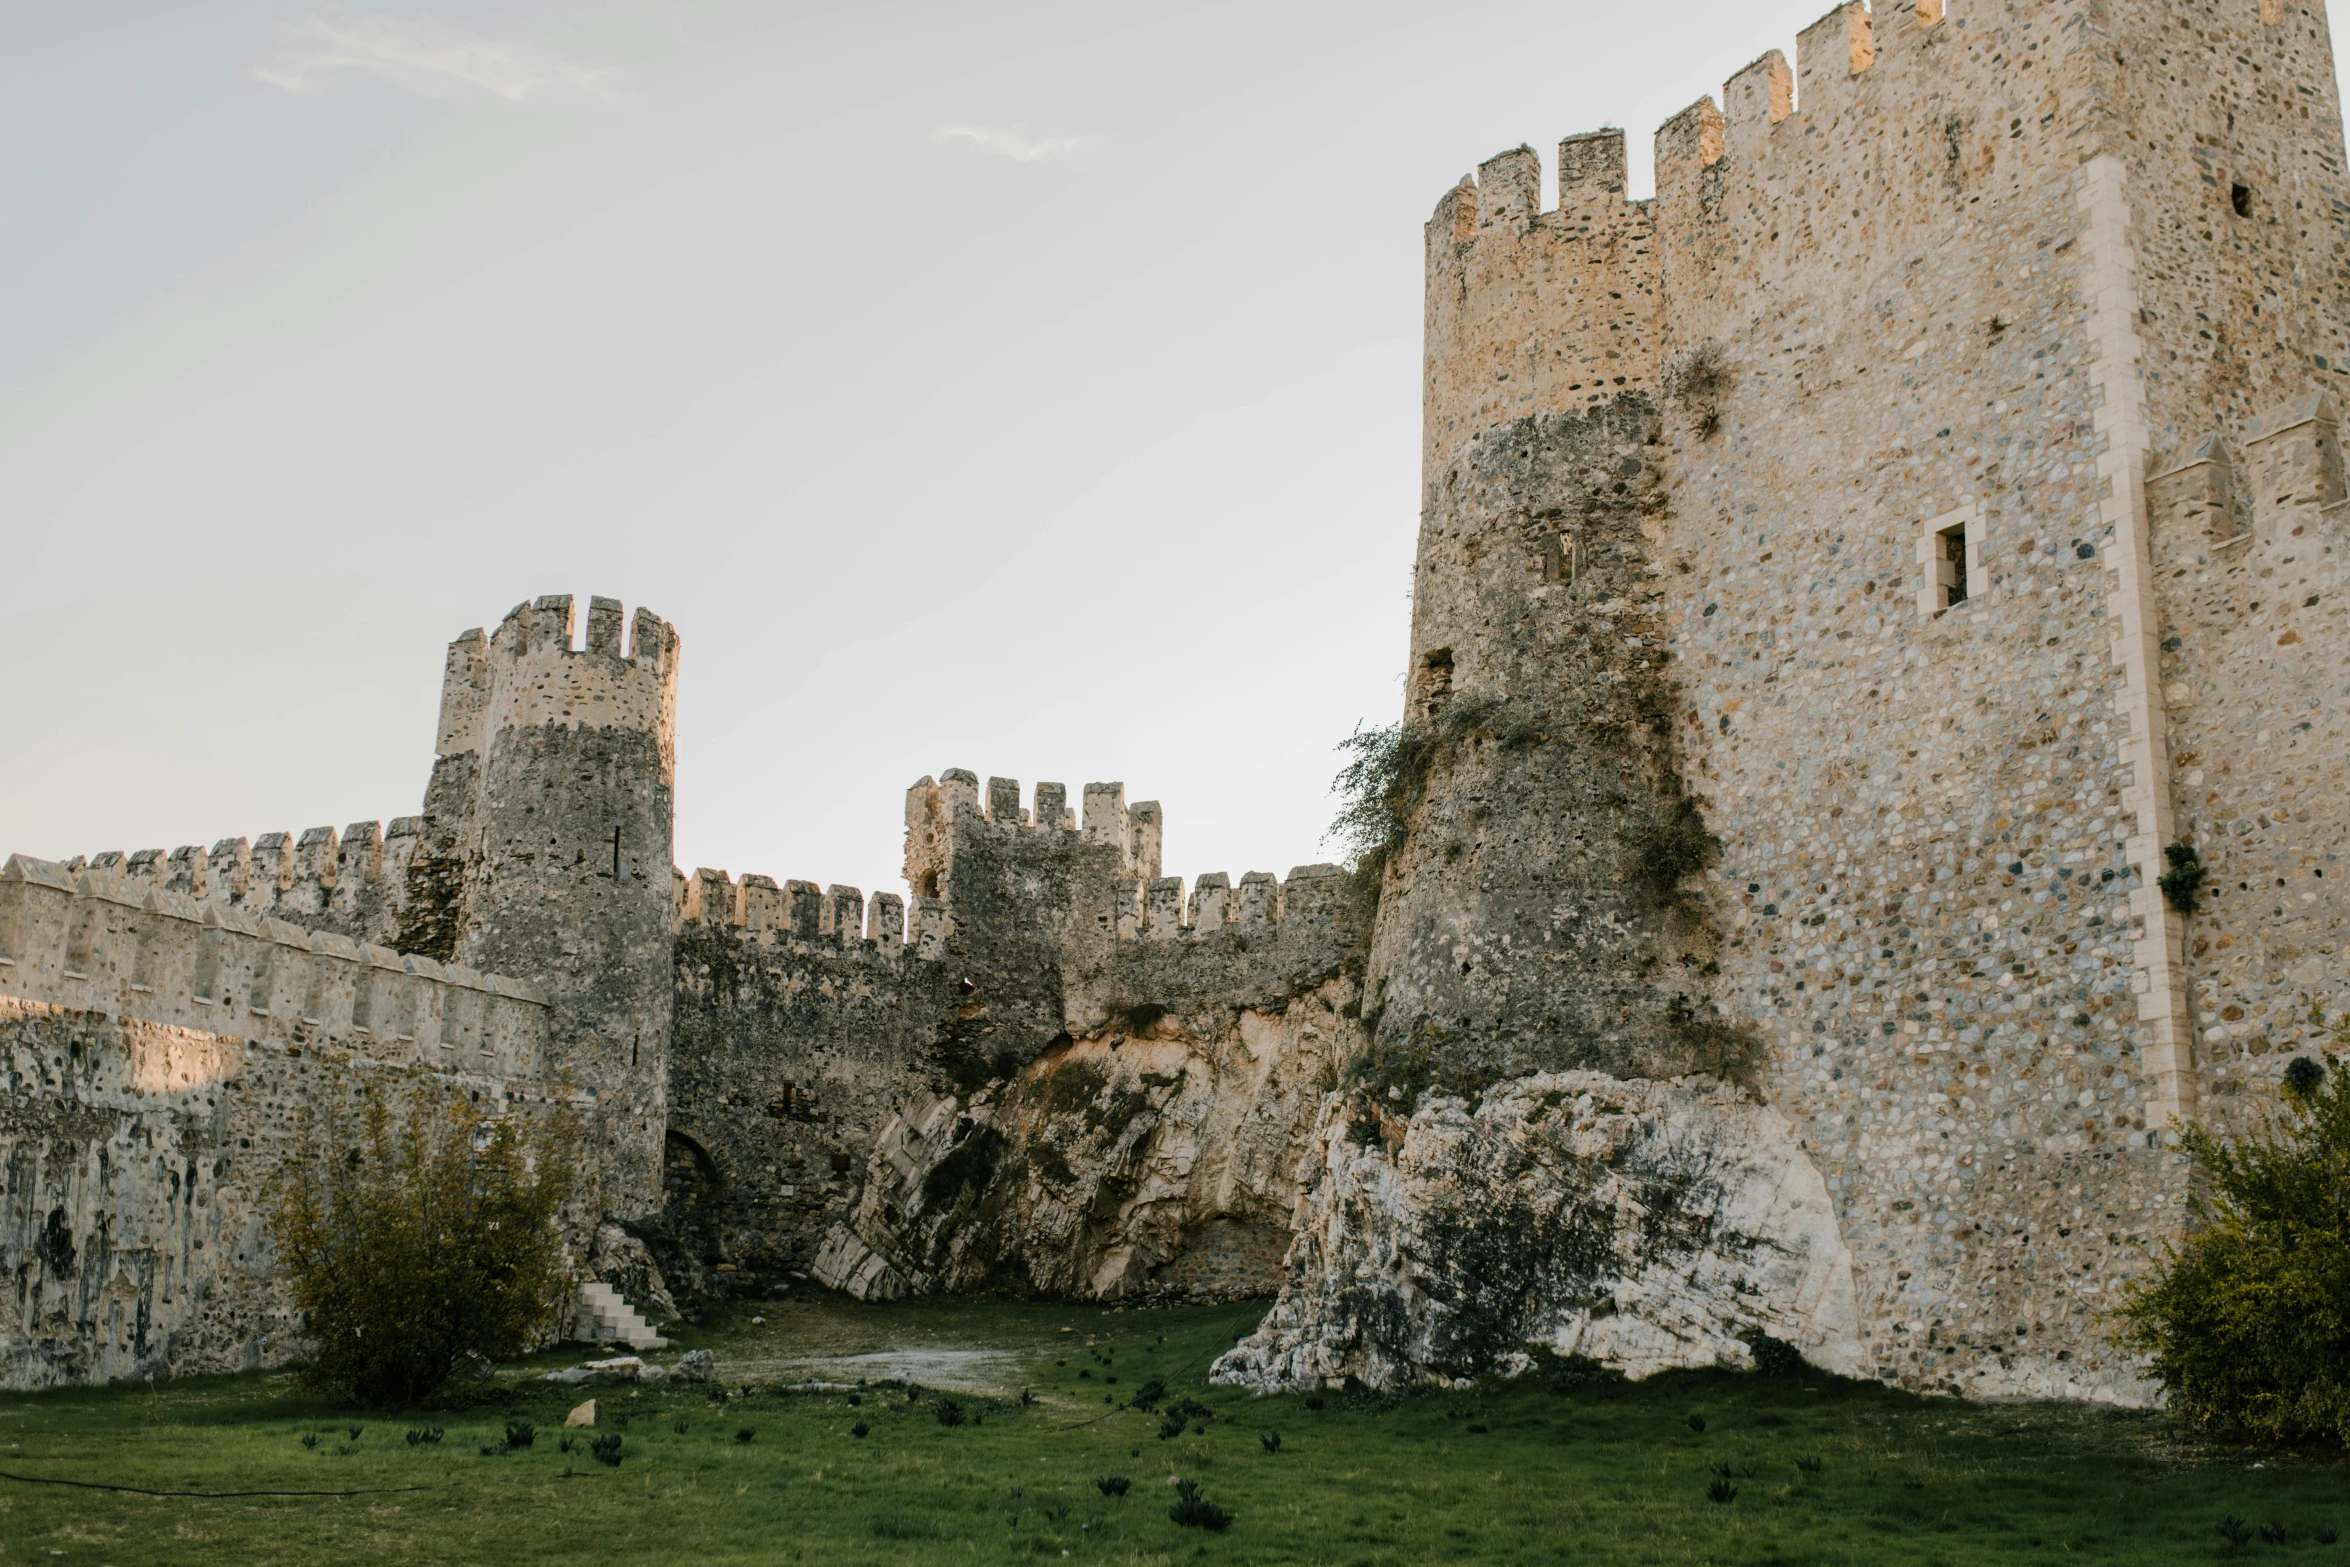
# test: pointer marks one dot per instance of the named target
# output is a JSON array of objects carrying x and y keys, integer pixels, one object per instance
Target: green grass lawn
[{"x": 1511, "y": 1472}]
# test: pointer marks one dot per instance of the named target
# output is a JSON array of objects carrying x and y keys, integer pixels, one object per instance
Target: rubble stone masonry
[
  {"x": 1979, "y": 427},
  {"x": 1845, "y": 580}
]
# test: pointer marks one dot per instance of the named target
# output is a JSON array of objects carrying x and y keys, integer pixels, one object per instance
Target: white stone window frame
[{"x": 1933, "y": 563}]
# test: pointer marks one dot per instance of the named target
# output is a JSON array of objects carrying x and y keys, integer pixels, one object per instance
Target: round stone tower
[
  {"x": 567, "y": 877},
  {"x": 1536, "y": 913}
]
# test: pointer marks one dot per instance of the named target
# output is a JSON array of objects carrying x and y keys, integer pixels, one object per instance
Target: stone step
[{"x": 601, "y": 1316}]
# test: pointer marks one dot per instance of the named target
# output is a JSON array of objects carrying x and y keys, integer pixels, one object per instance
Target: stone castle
[{"x": 1846, "y": 583}]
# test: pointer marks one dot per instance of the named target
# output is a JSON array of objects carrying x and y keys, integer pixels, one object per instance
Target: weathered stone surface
[
  {"x": 1841, "y": 579},
  {"x": 1141, "y": 1160},
  {"x": 1646, "y": 1224},
  {"x": 622, "y": 1261}
]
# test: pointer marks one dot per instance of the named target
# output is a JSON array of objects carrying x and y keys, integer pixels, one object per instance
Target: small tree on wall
[
  {"x": 412, "y": 1244},
  {"x": 2248, "y": 1324}
]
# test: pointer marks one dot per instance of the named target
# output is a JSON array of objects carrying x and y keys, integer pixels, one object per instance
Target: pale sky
[{"x": 1032, "y": 388}]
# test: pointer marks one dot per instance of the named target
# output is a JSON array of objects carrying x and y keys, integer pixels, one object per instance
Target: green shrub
[
  {"x": 1387, "y": 780},
  {"x": 2248, "y": 1324},
  {"x": 1194, "y": 1511},
  {"x": 412, "y": 1248},
  {"x": 2182, "y": 884}
]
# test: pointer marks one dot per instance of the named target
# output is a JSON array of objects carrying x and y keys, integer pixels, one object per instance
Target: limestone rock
[
  {"x": 584, "y": 1415},
  {"x": 1159, "y": 1158},
  {"x": 622, "y": 1261},
  {"x": 1646, "y": 1224}
]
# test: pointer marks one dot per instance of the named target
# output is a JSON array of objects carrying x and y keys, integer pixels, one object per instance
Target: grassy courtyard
[{"x": 1806, "y": 1469}]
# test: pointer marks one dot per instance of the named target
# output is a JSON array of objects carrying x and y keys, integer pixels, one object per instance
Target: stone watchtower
[
  {"x": 549, "y": 826},
  {"x": 1847, "y": 579}
]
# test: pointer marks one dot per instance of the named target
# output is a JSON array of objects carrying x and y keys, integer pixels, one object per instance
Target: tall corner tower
[
  {"x": 567, "y": 878},
  {"x": 1532, "y": 916},
  {"x": 1928, "y": 516}
]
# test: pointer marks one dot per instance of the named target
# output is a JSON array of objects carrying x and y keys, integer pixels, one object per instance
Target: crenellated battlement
[
  {"x": 934, "y": 805},
  {"x": 799, "y": 913},
  {"x": 1141, "y": 904},
  {"x": 1801, "y": 187},
  {"x": 353, "y": 882},
  {"x": 528, "y": 673},
  {"x": 100, "y": 940},
  {"x": 1155, "y": 909},
  {"x": 1532, "y": 311}
]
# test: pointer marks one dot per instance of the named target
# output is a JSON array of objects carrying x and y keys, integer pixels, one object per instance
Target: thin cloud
[
  {"x": 1009, "y": 144},
  {"x": 419, "y": 55}
]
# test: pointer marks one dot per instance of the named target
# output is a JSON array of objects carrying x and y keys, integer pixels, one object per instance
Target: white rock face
[
  {"x": 1645, "y": 1224},
  {"x": 1162, "y": 1159}
]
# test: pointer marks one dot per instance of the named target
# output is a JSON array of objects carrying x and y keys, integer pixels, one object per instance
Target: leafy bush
[
  {"x": 2248, "y": 1324},
  {"x": 1380, "y": 789},
  {"x": 411, "y": 1248},
  {"x": 949, "y": 1412},
  {"x": 1194, "y": 1511},
  {"x": 2182, "y": 884},
  {"x": 1775, "y": 1357},
  {"x": 1113, "y": 1485}
]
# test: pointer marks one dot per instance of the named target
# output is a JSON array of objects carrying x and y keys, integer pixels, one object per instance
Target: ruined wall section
[
  {"x": 1113, "y": 1086},
  {"x": 155, "y": 1055},
  {"x": 801, "y": 1027},
  {"x": 2251, "y": 542}
]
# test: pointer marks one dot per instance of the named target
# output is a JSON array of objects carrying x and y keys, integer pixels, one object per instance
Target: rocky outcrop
[
  {"x": 1645, "y": 1224},
  {"x": 626, "y": 1263},
  {"x": 1158, "y": 1156}
]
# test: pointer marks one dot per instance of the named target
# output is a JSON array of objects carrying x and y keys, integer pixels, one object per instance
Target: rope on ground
[{"x": 210, "y": 1496}]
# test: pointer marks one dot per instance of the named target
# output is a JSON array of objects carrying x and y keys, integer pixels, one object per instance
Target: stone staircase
[{"x": 602, "y": 1317}]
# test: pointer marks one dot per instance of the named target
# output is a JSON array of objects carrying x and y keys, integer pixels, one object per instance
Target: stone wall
[
  {"x": 800, "y": 1030},
  {"x": 1061, "y": 1074},
  {"x": 353, "y": 883},
  {"x": 1943, "y": 679},
  {"x": 155, "y": 1054}
]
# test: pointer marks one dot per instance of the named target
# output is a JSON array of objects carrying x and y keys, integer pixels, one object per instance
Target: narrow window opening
[
  {"x": 616, "y": 853},
  {"x": 1558, "y": 558},
  {"x": 363, "y": 1002},
  {"x": 1950, "y": 565},
  {"x": 1950, "y": 561},
  {"x": 2240, "y": 198}
]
